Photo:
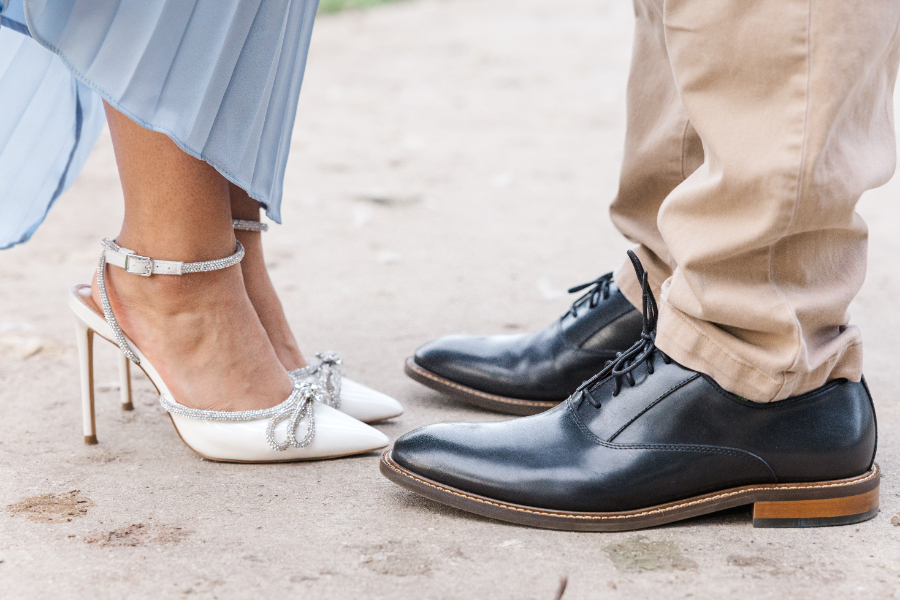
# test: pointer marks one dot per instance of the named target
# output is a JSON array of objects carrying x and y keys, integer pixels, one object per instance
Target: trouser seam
[{"x": 798, "y": 341}]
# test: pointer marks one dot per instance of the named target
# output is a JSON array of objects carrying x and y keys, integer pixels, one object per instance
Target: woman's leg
[
  {"x": 259, "y": 286},
  {"x": 200, "y": 331}
]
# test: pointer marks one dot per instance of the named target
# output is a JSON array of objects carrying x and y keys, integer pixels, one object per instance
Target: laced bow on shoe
[
  {"x": 641, "y": 352},
  {"x": 593, "y": 296},
  {"x": 327, "y": 373}
]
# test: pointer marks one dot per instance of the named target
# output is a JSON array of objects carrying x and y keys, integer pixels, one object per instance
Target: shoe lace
[
  {"x": 641, "y": 352},
  {"x": 593, "y": 296}
]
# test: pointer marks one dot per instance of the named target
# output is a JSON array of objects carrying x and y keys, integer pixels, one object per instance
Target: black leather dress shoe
[
  {"x": 649, "y": 441},
  {"x": 528, "y": 373}
]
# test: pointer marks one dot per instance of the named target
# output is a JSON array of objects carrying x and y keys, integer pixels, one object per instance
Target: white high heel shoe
[
  {"x": 245, "y": 436},
  {"x": 341, "y": 392}
]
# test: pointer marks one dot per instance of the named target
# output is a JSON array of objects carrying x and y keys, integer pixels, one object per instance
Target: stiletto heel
[
  {"x": 125, "y": 382},
  {"x": 84, "y": 337},
  {"x": 240, "y": 436},
  {"x": 340, "y": 392}
]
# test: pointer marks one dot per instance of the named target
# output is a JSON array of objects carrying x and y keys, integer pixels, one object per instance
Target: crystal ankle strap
[
  {"x": 242, "y": 225},
  {"x": 145, "y": 267}
]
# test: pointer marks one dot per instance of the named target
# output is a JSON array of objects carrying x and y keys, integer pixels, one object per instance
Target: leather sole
[
  {"x": 812, "y": 504},
  {"x": 510, "y": 406}
]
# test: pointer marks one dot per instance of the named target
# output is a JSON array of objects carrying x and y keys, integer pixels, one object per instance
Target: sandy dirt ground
[{"x": 451, "y": 170}]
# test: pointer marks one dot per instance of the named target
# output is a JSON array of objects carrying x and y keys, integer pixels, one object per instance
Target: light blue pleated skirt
[{"x": 220, "y": 77}]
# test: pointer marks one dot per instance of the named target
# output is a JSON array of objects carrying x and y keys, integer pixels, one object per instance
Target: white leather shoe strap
[
  {"x": 242, "y": 225},
  {"x": 145, "y": 266}
]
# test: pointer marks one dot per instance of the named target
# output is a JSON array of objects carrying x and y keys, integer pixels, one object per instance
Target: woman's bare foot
[
  {"x": 202, "y": 335},
  {"x": 259, "y": 287}
]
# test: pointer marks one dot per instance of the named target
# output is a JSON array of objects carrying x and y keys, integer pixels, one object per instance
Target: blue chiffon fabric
[{"x": 220, "y": 77}]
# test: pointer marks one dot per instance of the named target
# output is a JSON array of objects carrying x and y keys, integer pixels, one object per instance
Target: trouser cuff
[{"x": 703, "y": 347}]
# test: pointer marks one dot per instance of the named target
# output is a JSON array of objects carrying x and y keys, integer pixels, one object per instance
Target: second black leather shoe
[
  {"x": 647, "y": 442},
  {"x": 528, "y": 373}
]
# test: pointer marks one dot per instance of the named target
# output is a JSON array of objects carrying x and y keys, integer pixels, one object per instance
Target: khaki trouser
[{"x": 753, "y": 128}]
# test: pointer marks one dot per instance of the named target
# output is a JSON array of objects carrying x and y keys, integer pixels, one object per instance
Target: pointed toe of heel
[
  {"x": 345, "y": 435},
  {"x": 366, "y": 404}
]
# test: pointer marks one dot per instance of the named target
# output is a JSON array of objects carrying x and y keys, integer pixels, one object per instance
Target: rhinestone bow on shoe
[
  {"x": 327, "y": 374},
  {"x": 299, "y": 405}
]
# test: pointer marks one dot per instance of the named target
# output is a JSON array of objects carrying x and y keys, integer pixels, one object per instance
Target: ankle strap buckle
[{"x": 139, "y": 265}]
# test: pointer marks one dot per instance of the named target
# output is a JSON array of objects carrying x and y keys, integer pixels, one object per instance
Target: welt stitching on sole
[
  {"x": 446, "y": 382},
  {"x": 402, "y": 473}
]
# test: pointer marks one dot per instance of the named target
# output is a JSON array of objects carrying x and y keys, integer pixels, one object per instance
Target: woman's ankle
[
  {"x": 163, "y": 244},
  {"x": 167, "y": 294},
  {"x": 266, "y": 302}
]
